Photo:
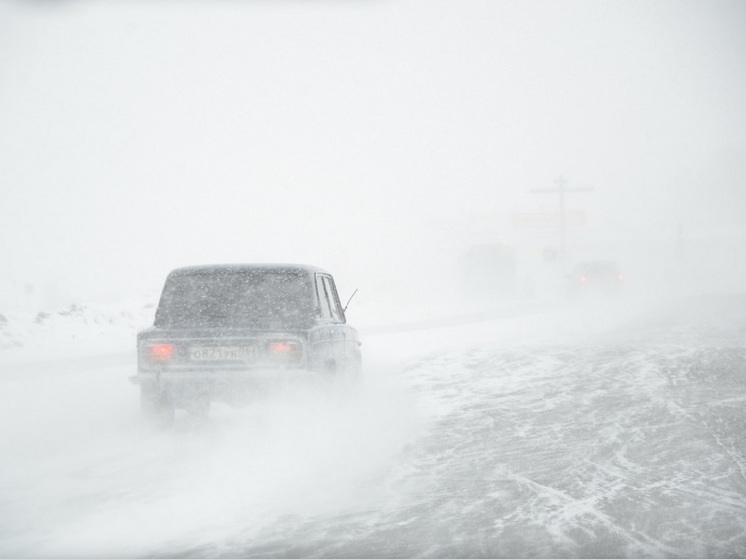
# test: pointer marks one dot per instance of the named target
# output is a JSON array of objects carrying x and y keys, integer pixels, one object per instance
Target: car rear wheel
[{"x": 157, "y": 407}]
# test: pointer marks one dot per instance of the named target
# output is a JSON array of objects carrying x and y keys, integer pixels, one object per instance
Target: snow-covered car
[{"x": 227, "y": 332}]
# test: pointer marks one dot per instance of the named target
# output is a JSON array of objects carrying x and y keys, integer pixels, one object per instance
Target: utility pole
[{"x": 561, "y": 189}]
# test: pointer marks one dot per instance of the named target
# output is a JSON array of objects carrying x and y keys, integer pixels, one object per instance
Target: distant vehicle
[
  {"x": 596, "y": 277},
  {"x": 225, "y": 332}
]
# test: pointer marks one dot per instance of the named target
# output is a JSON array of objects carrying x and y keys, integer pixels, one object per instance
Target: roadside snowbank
[{"x": 74, "y": 331}]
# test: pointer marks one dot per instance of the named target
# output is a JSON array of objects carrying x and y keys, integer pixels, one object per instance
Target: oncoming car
[
  {"x": 227, "y": 332},
  {"x": 597, "y": 278}
]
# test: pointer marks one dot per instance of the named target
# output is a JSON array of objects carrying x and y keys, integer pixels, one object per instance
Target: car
[
  {"x": 596, "y": 278},
  {"x": 230, "y": 332}
]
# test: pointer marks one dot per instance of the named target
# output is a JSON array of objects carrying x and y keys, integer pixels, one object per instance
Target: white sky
[{"x": 139, "y": 136}]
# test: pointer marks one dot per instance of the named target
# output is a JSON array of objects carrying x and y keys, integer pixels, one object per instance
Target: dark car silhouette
[
  {"x": 227, "y": 332},
  {"x": 596, "y": 278}
]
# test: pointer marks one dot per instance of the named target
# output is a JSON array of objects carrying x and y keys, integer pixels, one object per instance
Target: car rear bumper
[{"x": 222, "y": 382}]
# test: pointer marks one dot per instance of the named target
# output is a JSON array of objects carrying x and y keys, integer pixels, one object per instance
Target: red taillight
[
  {"x": 283, "y": 350},
  {"x": 621, "y": 277},
  {"x": 583, "y": 279},
  {"x": 283, "y": 347},
  {"x": 159, "y": 352}
]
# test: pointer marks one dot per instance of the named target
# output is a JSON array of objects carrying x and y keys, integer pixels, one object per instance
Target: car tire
[{"x": 157, "y": 407}]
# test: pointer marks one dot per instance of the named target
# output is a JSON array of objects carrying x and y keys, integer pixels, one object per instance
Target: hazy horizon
[{"x": 364, "y": 137}]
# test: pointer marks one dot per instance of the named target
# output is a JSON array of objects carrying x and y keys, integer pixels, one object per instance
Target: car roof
[{"x": 225, "y": 268}]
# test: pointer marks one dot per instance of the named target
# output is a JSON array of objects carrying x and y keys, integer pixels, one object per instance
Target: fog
[
  {"x": 415, "y": 150},
  {"x": 371, "y": 138}
]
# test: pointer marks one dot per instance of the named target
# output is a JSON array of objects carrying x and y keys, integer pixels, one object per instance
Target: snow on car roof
[{"x": 247, "y": 267}]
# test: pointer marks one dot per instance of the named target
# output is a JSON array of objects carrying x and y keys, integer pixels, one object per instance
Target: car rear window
[{"x": 267, "y": 299}]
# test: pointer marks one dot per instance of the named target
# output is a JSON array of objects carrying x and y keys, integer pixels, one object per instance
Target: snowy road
[{"x": 618, "y": 433}]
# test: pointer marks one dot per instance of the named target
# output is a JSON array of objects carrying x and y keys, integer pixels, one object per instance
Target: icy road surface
[{"x": 584, "y": 433}]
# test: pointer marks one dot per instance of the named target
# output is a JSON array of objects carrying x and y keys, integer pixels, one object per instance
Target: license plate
[{"x": 221, "y": 353}]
